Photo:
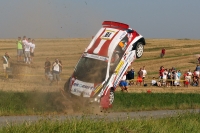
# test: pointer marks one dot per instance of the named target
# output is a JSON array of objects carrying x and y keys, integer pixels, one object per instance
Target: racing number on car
[{"x": 108, "y": 34}]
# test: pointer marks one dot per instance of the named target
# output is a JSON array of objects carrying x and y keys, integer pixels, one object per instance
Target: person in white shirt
[
  {"x": 56, "y": 71},
  {"x": 27, "y": 48},
  {"x": 144, "y": 72},
  {"x": 189, "y": 75},
  {"x": 176, "y": 79},
  {"x": 164, "y": 77},
  {"x": 32, "y": 49},
  {"x": 155, "y": 83}
]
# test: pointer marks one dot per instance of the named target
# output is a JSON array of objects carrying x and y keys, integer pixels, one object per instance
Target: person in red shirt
[
  {"x": 161, "y": 72},
  {"x": 162, "y": 53}
]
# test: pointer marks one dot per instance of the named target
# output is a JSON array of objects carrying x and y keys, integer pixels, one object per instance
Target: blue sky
[{"x": 82, "y": 19}]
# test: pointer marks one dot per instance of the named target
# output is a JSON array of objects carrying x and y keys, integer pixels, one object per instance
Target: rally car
[{"x": 104, "y": 62}]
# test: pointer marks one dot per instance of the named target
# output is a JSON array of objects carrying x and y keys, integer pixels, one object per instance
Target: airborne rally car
[{"x": 104, "y": 62}]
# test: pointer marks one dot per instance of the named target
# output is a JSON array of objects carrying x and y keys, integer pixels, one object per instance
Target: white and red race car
[{"x": 104, "y": 62}]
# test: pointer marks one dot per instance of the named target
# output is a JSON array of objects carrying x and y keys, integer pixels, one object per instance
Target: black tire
[
  {"x": 112, "y": 97},
  {"x": 139, "y": 49}
]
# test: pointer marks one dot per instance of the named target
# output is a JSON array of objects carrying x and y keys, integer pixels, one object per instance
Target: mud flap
[{"x": 105, "y": 103}]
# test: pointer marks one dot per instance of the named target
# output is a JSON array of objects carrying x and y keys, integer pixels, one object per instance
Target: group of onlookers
[
  {"x": 52, "y": 71},
  {"x": 172, "y": 77},
  {"x": 25, "y": 47},
  {"x": 129, "y": 78},
  {"x": 167, "y": 78}
]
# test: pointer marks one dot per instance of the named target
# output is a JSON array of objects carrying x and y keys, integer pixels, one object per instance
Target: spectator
[
  {"x": 161, "y": 73},
  {"x": 179, "y": 74},
  {"x": 130, "y": 76},
  {"x": 162, "y": 53},
  {"x": 199, "y": 59},
  {"x": 197, "y": 68},
  {"x": 24, "y": 41},
  {"x": 61, "y": 66},
  {"x": 187, "y": 80},
  {"x": 139, "y": 78},
  {"x": 123, "y": 84},
  {"x": 56, "y": 71},
  {"x": 195, "y": 78},
  {"x": 155, "y": 83},
  {"x": 189, "y": 75},
  {"x": 144, "y": 72},
  {"x": 164, "y": 77},
  {"x": 176, "y": 79},
  {"x": 5, "y": 59},
  {"x": 198, "y": 73},
  {"x": 47, "y": 67},
  {"x": 27, "y": 49},
  {"x": 19, "y": 49},
  {"x": 32, "y": 49}
]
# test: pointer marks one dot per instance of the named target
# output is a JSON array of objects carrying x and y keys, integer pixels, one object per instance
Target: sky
[{"x": 83, "y": 18}]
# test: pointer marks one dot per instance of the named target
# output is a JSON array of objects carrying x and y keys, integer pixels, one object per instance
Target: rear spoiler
[{"x": 112, "y": 24}]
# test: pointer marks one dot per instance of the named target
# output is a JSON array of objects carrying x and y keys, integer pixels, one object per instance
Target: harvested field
[{"x": 180, "y": 53}]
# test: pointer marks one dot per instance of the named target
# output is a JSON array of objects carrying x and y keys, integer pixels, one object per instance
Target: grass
[
  {"x": 188, "y": 122},
  {"x": 42, "y": 103},
  {"x": 155, "y": 101}
]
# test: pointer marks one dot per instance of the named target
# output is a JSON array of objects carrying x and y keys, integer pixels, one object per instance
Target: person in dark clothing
[
  {"x": 130, "y": 76},
  {"x": 47, "y": 67}
]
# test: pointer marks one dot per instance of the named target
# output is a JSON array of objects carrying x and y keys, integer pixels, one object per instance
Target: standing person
[
  {"x": 27, "y": 48},
  {"x": 161, "y": 73},
  {"x": 5, "y": 59},
  {"x": 197, "y": 70},
  {"x": 47, "y": 67},
  {"x": 56, "y": 71},
  {"x": 144, "y": 71},
  {"x": 162, "y": 54},
  {"x": 123, "y": 84},
  {"x": 130, "y": 76},
  {"x": 19, "y": 49},
  {"x": 139, "y": 78},
  {"x": 164, "y": 80},
  {"x": 24, "y": 41},
  {"x": 187, "y": 80},
  {"x": 189, "y": 75},
  {"x": 32, "y": 49},
  {"x": 61, "y": 66}
]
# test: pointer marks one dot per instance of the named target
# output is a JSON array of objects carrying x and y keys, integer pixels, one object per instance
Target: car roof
[
  {"x": 108, "y": 37},
  {"x": 117, "y": 25}
]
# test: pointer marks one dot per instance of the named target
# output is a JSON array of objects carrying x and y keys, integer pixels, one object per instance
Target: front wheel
[{"x": 139, "y": 49}]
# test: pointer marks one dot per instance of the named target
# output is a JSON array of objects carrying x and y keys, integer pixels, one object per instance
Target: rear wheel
[{"x": 139, "y": 49}]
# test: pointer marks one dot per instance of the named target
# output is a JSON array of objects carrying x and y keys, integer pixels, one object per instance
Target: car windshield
[{"x": 91, "y": 70}]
